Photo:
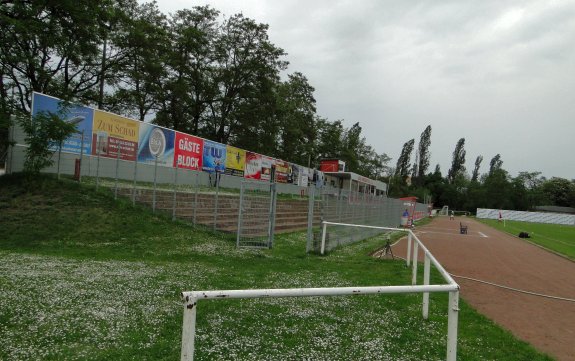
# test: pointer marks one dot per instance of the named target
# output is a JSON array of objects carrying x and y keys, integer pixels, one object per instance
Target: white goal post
[{"x": 191, "y": 298}]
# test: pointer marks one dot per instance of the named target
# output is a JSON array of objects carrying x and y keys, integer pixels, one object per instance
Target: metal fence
[
  {"x": 256, "y": 218},
  {"x": 342, "y": 206},
  {"x": 254, "y": 211}
]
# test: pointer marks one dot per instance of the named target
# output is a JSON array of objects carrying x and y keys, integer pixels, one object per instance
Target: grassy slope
[
  {"x": 556, "y": 237},
  {"x": 84, "y": 277}
]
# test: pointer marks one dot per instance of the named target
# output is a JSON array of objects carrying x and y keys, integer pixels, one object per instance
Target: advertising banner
[
  {"x": 293, "y": 174},
  {"x": 214, "y": 157},
  {"x": 282, "y": 170},
  {"x": 267, "y": 163},
  {"x": 253, "y": 166},
  {"x": 81, "y": 116},
  {"x": 156, "y": 142},
  {"x": 304, "y": 176},
  {"x": 112, "y": 132},
  {"x": 188, "y": 151},
  {"x": 235, "y": 161}
]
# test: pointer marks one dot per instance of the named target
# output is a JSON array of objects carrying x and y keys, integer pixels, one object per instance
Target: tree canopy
[{"x": 195, "y": 71}]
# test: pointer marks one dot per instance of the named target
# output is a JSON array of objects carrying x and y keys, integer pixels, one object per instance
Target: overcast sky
[{"x": 500, "y": 74}]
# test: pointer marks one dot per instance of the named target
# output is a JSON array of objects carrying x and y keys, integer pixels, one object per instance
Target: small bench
[{"x": 462, "y": 228}]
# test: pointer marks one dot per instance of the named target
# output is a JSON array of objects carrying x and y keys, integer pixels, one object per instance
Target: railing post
[
  {"x": 118, "y": 150},
  {"x": 189, "y": 329},
  {"x": 310, "y": 209},
  {"x": 323, "y": 234},
  {"x": 452, "y": 318},
  {"x": 426, "y": 270},
  {"x": 175, "y": 200},
  {"x": 155, "y": 183},
  {"x": 81, "y": 158},
  {"x": 59, "y": 158},
  {"x": 216, "y": 201},
  {"x": 196, "y": 190},
  {"x": 408, "y": 258},
  {"x": 414, "y": 265},
  {"x": 134, "y": 183},
  {"x": 98, "y": 163},
  {"x": 272, "y": 214},
  {"x": 240, "y": 213}
]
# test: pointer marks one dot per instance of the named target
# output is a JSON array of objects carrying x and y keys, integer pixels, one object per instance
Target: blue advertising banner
[
  {"x": 214, "y": 159},
  {"x": 79, "y": 115},
  {"x": 155, "y": 142}
]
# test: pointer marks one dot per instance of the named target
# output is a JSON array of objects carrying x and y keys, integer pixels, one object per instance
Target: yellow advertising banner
[
  {"x": 112, "y": 133},
  {"x": 235, "y": 161}
]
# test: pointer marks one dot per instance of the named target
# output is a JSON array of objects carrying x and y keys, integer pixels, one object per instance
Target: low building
[{"x": 336, "y": 176}]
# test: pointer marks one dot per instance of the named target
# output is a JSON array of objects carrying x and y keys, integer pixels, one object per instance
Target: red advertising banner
[
  {"x": 188, "y": 151},
  {"x": 253, "y": 166},
  {"x": 329, "y": 165}
]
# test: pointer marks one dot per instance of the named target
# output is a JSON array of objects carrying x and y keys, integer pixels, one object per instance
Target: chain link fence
[
  {"x": 344, "y": 206},
  {"x": 256, "y": 218},
  {"x": 252, "y": 210}
]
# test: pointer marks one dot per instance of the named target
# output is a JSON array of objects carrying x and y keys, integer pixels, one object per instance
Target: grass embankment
[
  {"x": 83, "y": 277},
  {"x": 555, "y": 237}
]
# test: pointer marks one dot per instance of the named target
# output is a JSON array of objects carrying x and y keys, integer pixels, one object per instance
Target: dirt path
[{"x": 489, "y": 255}]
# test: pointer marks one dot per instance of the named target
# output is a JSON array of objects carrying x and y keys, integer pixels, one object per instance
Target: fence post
[
  {"x": 414, "y": 265},
  {"x": 81, "y": 157},
  {"x": 98, "y": 162},
  {"x": 426, "y": 266},
  {"x": 155, "y": 183},
  {"x": 118, "y": 151},
  {"x": 240, "y": 213},
  {"x": 174, "y": 206},
  {"x": 310, "y": 210},
  {"x": 10, "y": 162},
  {"x": 196, "y": 196},
  {"x": 134, "y": 182},
  {"x": 189, "y": 329},
  {"x": 338, "y": 205},
  {"x": 59, "y": 157},
  {"x": 323, "y": 236},
  {"x": 90, "y": 162},
  {"x": 408, "y": 258},
  {"x": 272, "y": 214},
  {"x": 452, "y": 318},
  {"x": 216, "y": 201}
]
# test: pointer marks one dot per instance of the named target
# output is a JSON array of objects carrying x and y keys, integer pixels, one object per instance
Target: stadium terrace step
[{"x": 199, "y": 207}]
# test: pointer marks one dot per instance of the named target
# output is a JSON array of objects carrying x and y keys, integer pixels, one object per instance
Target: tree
[
  {"x": 475, "y": 174},
  {"x": 140, "y": 41},
  {"x": 330, "y": 138},
  {"x": 295, "y": 114},
  {"x": 190, "y": 86},
  {"x": 352, "y": 148},
  {"x": 458, "y": 162},
  {"x": 45, "y": 131},
  {"x": 495, "y": 163},
  {"x": 404, "y": 160},
  {"x": 498, "y": 190},
  {"x": 248, "y": 66},
  {"x": 424, "y": 154},
  {"x": 532, "y": 183},
  {"x": 559, "y": 191},
  {"x": 52, "y": 47},
  {"x": 6, "y": 110}
]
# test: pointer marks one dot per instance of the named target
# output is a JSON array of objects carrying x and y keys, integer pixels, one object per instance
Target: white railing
[{"x": 191, "y": 298}]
